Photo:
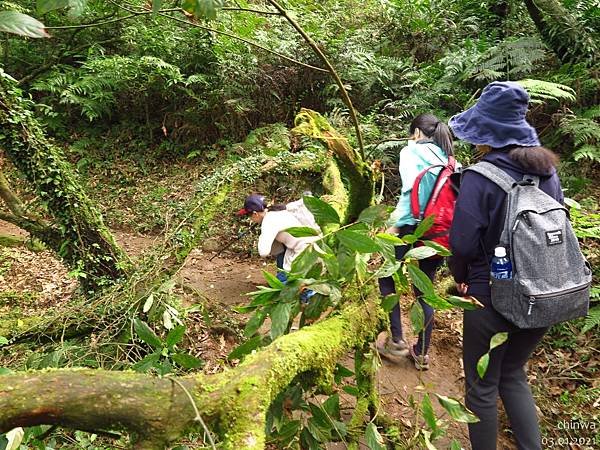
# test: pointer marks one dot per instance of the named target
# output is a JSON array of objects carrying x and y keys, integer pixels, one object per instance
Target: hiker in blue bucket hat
[{"x": 497, "y": 126}]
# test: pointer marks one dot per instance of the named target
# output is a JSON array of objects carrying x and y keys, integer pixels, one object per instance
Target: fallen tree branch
[{"x": 234, "y": 403}]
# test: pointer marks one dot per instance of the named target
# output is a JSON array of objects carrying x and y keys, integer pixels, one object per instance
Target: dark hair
[
  {"x": 534, "y": 158},
  {"x": 277, "y": 207},
  {"x": 435, "y": 129}
]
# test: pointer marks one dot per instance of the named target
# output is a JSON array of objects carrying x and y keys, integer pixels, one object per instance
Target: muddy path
[{"x": 225, "y": 279}]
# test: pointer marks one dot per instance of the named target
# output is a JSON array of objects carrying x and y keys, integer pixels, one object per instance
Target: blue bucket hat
[
  {"x": 497, "y": 119},
  {"x": 253, "y": 203}
]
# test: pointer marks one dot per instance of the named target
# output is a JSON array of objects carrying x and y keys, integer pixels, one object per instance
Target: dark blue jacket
[{"x": 479, "y": 219}]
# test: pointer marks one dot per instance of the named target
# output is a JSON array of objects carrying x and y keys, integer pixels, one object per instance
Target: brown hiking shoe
[{"x": 393, "y": 348}]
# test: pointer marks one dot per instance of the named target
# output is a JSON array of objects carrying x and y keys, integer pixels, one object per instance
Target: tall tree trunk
[
  {"x": 561, "y": 31},
  {"x": 83, "y": 242}
]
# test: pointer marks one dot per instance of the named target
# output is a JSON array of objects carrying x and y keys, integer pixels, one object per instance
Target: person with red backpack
[{"x": 422, "y": 161}]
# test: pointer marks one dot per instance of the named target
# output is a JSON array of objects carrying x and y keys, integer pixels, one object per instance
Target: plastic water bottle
[{"x": 501, "y": 267}]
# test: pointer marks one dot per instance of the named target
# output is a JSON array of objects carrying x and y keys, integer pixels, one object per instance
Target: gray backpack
[{"x": 551, "y": 278}]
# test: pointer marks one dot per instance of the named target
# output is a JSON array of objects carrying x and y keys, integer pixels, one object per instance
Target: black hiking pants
[
  {"x": 386, "y": 287},
  {"x": 505, "y": 377}
]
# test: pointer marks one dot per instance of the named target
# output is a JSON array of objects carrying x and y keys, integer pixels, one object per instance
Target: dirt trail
[{"x": 226, "y": 278}]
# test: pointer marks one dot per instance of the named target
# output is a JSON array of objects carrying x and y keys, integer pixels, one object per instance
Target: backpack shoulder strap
[{"x": 495, "y": 174}]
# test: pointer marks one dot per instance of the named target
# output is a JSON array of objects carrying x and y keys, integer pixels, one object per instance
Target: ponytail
[
  {"x": 276, "y": 207},
  {"x": 435, "y": 129}
]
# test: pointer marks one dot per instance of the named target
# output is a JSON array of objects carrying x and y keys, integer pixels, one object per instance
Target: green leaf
[
  {"x": 427, "y": 437},
  {"x": 156, "y": 5},
  {"x": 21, "y": 24},
  {"x": 498, "y": 339},
  {"x": 332, "y": 406},
  {"x": 302, "y": 231},
  {"x": 204, "y": 9},
  {"x": 280, "y": 319},
  {"x": 357, "y": 241},
  {"x": 256, "y": 321},
  {"x": 410, "y": 238},
  {"x": 342, "y": 372},
  {"x": 375, "y": 215},
  {"x": 468, "y": 303},
  {"x": 437, "y": 302},
  {"x": 187, "y": 361},
  {"x": 44, "y": 6},
  {"x": 482, "y": 365},
  {"x": 3, "y": 340},
  {"x": 146, "y": 334},
  {"x": 308, "y": 440},
  {"x": 417, "y": 317},
  {"x": 389, "y": 301},
  {"x": 424, "y": 225},
  {"x": 441, "y": 250},
  {"x": 304, "y": 261},
  {"x": 272, "y": 280},
  {"x": 455, "y": 445},
  {"x": 390, "y": 238},
  {"x": 428, "y": 413},
  {"x": 175, "y": 335},
  {"x": 457, "y": 410},
  {"x": 388, "y": 269},
  {"x": 5, "y": 371},
  {"x": 373, "y": 438},
  {"x": 420, "y": 252},
  {"x": 352, "y": 390},
  {"x": 323, "y": 212},
  {"x": 148, "y": 303},
  {"x": 147, "y": 363},
  {"x": 76, "y": 7},
  {"x": 287, "y": 432},
  {"x": 245, "y": 348},
  {"x": 420, "y": 280}
]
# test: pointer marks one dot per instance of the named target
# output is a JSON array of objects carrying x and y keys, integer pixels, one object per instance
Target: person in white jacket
[{"x": 274, "y": 240}]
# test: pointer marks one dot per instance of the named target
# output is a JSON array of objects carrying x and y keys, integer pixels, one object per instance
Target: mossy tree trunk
[
  {"x": 79, "y": 235},
  {"x": 158, "y": 411}
]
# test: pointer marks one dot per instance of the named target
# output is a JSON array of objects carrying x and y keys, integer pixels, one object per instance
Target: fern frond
[
  {"x": 590, "y": 152},
  {"x": 540, "y": 91},
  {"x": 592, "y": 320}
]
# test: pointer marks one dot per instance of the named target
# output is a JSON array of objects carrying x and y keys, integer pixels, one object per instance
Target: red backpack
[{"x": 440, "y": 203}]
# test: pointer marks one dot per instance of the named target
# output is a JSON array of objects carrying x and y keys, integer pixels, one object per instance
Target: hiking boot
[
  {"x": 421, "y": 361},
  {"x": 393, "y": 348}
]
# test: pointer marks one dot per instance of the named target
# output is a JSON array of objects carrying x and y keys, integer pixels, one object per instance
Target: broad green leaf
[
  {"x": 420, "y": 280},
  {"x": 167, "y": 319},
  {"x": 427, "y": 437},
  {"x": 417, "y": 317},
  {"x": 287, "y": 432},
  {"x": 437, "y": 302},
  {"x": 272, "y": 280},
  {"x": 498, "y": 339},
  {"x": 388, "y": 269},
  {"x": 156, "y": 5},
  {"x": 410, "y": 238},
  {"x": 21, "y": 24},
  {"x": 321, "y": 288},
  {"x": 457, "y": 410},
  {"x": 3, "y": 340},
  {"x": 147, "y": 363},
  {"x": 420, "y": 253},
  {"x": 389, "y": 301},
  {"x": 245, "y": 348},
  {"x": 14, "y": 438},
  {"x": 187, "y": 361},
  {"x": 175, "y": 335},
  {"x": 5, "y": 371},
  {"x": 390, "y": 238},
  {"x": 308, "y": 440},
  {"x": 357, "y": 241},
  {"x": 204, "y": 9},
  {"x": 361, "y": 262},
  {"x": 280, "y": 318},
  {"x": 332, "y": 265},
  {"x": 146, "y": 334},
  {"x": 44, "y": 6},
  {"x": 304, "y": 261},
  {"x": 424, "y": 225},
  {"x": 468, "y": 303},
  {"x": 482, "y": 365},
  {"x": 428, "y": 413},
  {"x": 302, "y": 231},
  {"x": 572, "y": 203},
  {"x": 342, "y": 372},
  {"x": 375, "y": 215},
  {"x": 352, "y": 390},
  {"x": 441, "y": 250},
  {"x": 323, "y": 212},
  {"x": 346, "y": 258},
  {"x": 255, "y": 322},
  {"x": 373, "y": 438},
  {"x": 76, "y": 7},
  {"x": 332, "y": 406}
]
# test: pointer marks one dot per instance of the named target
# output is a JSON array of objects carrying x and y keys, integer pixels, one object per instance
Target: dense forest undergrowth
[{"x": 166, "y": 114}]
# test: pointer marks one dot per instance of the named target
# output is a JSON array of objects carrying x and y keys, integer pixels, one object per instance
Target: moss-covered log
[
  {"x": 234, "y": 403},
  {"x": 80, "y": 236}
]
